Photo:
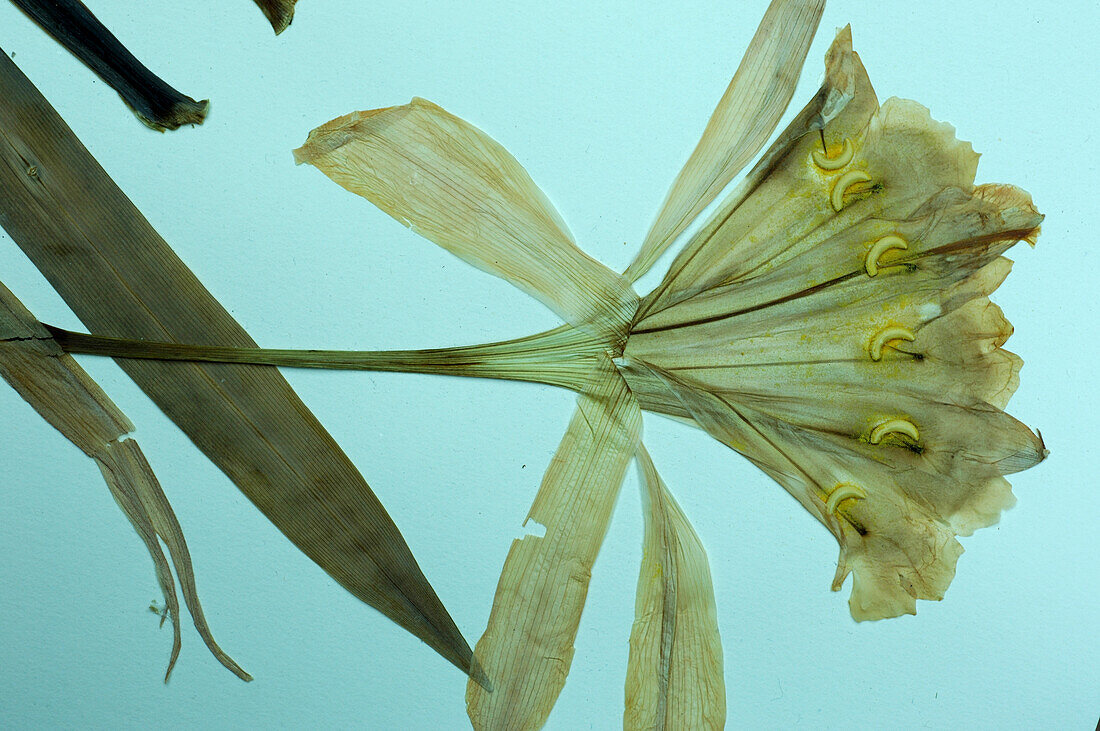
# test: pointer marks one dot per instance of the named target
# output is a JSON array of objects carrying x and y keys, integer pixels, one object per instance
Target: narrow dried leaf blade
[
  {"x": 122, "y": 279},
  {"x": 134, "y": 473},
  {"x": 528, "y": 646},
  {"x": 740, "y": 125},
  {"x": 55, "y": 385},
  {"x": 674, "y": 677},
  {"x": 456, "y": 186}
]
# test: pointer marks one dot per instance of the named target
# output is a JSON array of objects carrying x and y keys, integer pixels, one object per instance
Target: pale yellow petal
[
  {"x": 674, "y": 677},
  {"x": 897, "y": 511},
  {"x": 805, "y": 360},
  {"x": 740, "y": 125},
  {"x": 528, "y": 645},
  {"x": 832, "y": 324},
  {"x": 457, "y": 187},
  {"x": 785, "y": 196}
]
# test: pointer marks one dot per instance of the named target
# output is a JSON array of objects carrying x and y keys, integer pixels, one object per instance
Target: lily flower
[{"x": 830, "y": 322}]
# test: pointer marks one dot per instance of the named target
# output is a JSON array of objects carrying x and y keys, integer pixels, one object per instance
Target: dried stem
[
  {"x": 154, "y": 102},
  {"x": 561, "y": 357}
]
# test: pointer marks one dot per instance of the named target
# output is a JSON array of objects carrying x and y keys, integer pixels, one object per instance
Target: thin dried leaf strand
[{"x": 69, "y": 400}]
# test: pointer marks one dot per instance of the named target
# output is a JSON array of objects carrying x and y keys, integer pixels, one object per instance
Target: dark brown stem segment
[
  {"x": 155, "y": 103},
  {"x": 278, "y": 12}
]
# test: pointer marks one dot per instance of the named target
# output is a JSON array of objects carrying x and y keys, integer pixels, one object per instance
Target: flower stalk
[{"x": 561, "y": 357}]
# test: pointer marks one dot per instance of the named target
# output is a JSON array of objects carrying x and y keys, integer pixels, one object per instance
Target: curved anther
[
  {"x": 894, "y": 426},
  {"x": 888, "y": 335},
  {"x": 842, "y": 492},
  {"x": 878, "y": 249},
  {"x": 845, "y": 181},
  {"x": 833, "y": 163}
]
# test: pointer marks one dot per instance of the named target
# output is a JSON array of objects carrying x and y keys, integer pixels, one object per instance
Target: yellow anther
[
  {"x": 842, "y": 492},
  {"x": 894, "y": 426},
  {"x": 833, "y": 163},
  {"x": 845, "y": 181},
  {"x": 878, "y": 249},
  {"x": 888, "y": 335}
]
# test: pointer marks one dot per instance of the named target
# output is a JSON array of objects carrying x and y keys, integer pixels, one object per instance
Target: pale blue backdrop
[{"x": 601, "y": 102}]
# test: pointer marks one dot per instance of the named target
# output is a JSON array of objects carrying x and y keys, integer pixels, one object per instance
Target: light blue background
[{"x": 601, "y": 102}]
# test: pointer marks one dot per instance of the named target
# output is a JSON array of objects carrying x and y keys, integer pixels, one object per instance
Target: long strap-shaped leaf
[
  {"x": 528, "y": 646},
  {"x": 674, "y": 679},
  {"x": 66, "y": 397},
  {"x": 740, "y": 125},
  {"x": 456, "y": 186},
  {"x": 121, "y": 278}
]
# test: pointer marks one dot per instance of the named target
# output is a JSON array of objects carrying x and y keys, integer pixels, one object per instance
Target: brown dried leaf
[
  {"x": 278, "y": 12},
  {"x": 63, "y": 393},
  {"x": 122, "y": 279}
]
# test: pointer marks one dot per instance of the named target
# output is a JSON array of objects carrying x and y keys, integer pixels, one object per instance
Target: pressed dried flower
[{"x": 830, "y": 321}]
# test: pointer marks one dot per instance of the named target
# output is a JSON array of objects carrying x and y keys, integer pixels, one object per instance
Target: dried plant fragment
[
  {"x": 831, "y": 321},
  {"x": 59, "y": 389},
  {"x": 278, "y": 12},
  {"x": 152, "y": 100},
  {"x": 122, "y": 279},
  {"x": 674, "y": 678},
  {"x": 528, "y": 646}
]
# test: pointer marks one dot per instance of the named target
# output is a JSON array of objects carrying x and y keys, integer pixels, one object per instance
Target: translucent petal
[
  {"x": 674, "y": 677},
  {"x": 744, "y": 119},
  {"x": 456, "y": 186},
  {"x": 528, "y": 645}
]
